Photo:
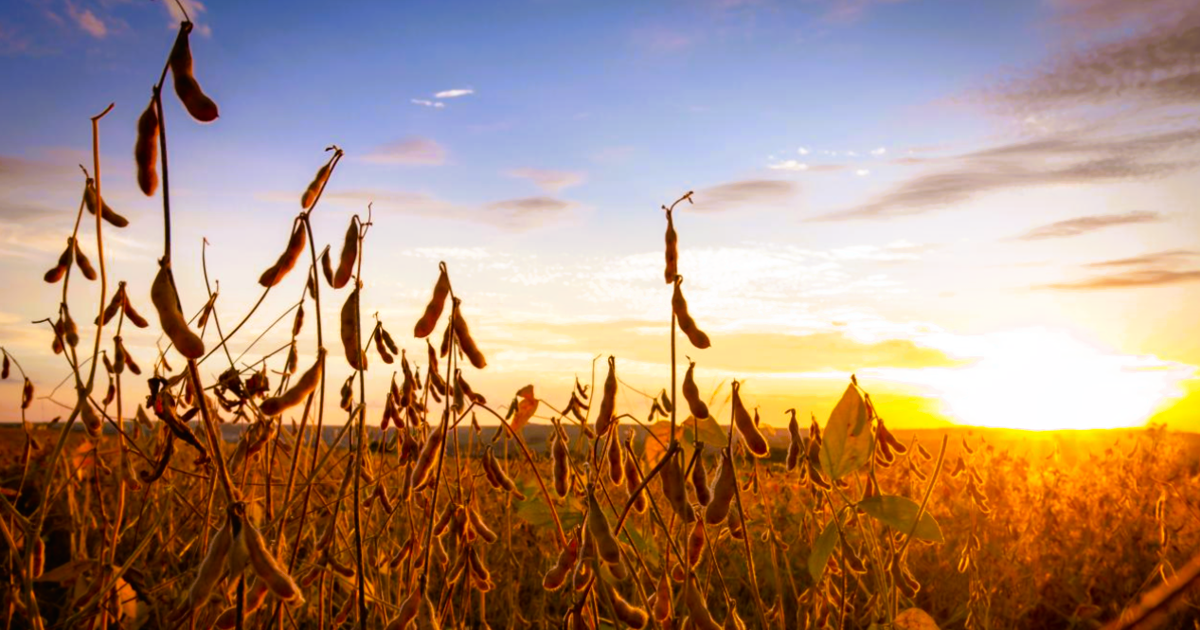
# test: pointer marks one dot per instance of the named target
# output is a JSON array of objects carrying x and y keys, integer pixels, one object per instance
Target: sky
[{"x": 984, "y": 210}]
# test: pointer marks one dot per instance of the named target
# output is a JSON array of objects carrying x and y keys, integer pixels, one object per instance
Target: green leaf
[
  {"x": 533, "y": 509},
  {"x": 899, "y": 513},
  {"x": 822, "y": 548},
  {"x": 847, "y": 440}
]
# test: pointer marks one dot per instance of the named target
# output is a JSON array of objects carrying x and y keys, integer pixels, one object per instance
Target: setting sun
[{"x": 1039, "y": 379}]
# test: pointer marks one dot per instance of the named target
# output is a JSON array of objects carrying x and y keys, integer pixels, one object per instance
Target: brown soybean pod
[
  {"x": 633, "y": 479},
  {"x": 91, "y": 421},
  {"x": 349, "y": 330},
  {"x": 211, "y": 567},
  {"x": 686, "y": 323},
  {"x": 428, "y": 456},
  {"x": 5, "y": 369},
  {"x": 314, "y": 188},
  {"x": 132, "y": 314},
  {"x": 197, "y": 103},
  {"x": 691, "y": 394},
  {"x": 326, "y": 267},
  {"x": 437, "y": 303},
  {"x": 698, "y": 609},
  {"x": 267, "y": 567},
  {"x": 298, "y": 392},
  {"x": 604, "y": 420},
  {"x": 287, "y": 260},
  {"x": 700, "y": 478},
  {"x": 145, "y": 150},
  {"x": 723, "y": 489},
  {"x": 672, "y": 241},
  {"x": 630, "y": 615},
  {"x": 59, "y": 270},
  {"x": 616, "y": 461},
  {"x": 465, "y": 341},
  {"x": 345, "y": 266},
  {"x": 70, "y": 330},
  {"x": 695, "y": 544},
  {"x": 751, "y": 436},
  {"x": 27, "y": 394},
  {"x": 675, "y": 490},
  {"x": 166, "y": 302},
  {"x": 601, "y": 532},
  {"x": 84, "y": 264},
  {"x": 559, "y": 454},
  {"x": 106, "y": 213},
  {"x": 794, "y": 447},
  {"x": 662, "y": 598},
  {"x": 408, "y": 611}
]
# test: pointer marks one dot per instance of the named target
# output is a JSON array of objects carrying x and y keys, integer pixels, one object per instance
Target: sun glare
[{"x": 1038, "y": 379}]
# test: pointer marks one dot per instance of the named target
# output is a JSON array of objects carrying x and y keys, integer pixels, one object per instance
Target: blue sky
[{"x": 905, "y": 188}]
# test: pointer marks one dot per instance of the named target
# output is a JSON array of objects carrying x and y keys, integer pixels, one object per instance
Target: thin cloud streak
[{"x": 1088, "y": 224}]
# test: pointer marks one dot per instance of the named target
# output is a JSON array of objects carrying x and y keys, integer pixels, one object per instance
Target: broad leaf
[
  {"x": 822, "y": 548},
  {"x": 899, "y": 513},
  {"x": 533, "y": 509},
  {"x": 847, "y": 441}
]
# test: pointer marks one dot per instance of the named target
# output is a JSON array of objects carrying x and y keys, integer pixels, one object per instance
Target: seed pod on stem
[
  {"x": 600, "y": 531},
  {"x": 700, "y": 477},
  {"x": 723, "y": 489},
  {"x": 604, "y": 420},
  {"x": 616, "y": 460},
  {"x": 345, "y": 266},
  {"x": 691, "y": 394},
  {"x": 349, "y": 330},
  {"x": 85, "y": 265},
  {"x": 299, "y": 391},
  {"x": 561, "y": 470},
  {"x": 145, "y": 150},
  {"x": 106, "y": 213},
  {"x": 268, "y": 568},
  {"x": 797, "y": 443},
  {"x": 212, "y": 566},
  {"x": 131, "y": 313},
  {"x": 166, "y": 302},
  {"x": 675, "y": 488},
  {"x": 197, "y": 103},
  {"x": 462, "y": 334},
  {"x": 408, "y": 611},
  {"x": 27, "y": 394},
  {"x": 630, "y": 615},
  {"x": 698, "y": 609},
  {"x": 288, "y": 258},
  {"x": 685, "y": 321},
  {"x": 751, "y": 436},
  {"x": 59, "y": 270},
  {"x": 419, "y": 475},
  {"x": 672, "y": 251},
  {"x": 633, "y": 478}
]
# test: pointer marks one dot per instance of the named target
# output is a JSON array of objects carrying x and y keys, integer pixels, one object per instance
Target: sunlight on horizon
[{"x": 1041, "y": 379}]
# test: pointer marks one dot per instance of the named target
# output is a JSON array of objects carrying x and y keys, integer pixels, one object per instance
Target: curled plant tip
[
  {"x": 59, "y": 270},
  {"x": 465, "y": 341},
  {"x": 88, "y": 416},
  {"x": 601, "y": 532},
  {"x": 106, "y": 213},
  {"x": 197, "y": 103},
  {"x": 751, "y": 436},
  {"x": 437, "y": 303},
  {"x": 267, "y": 568},
  {"x": 166, "y": 302},
  {"x": 349, "y": 330},
  {"x": 686, "y": 323},
  {"x": 345, "y": 266},
  {"x": 27, "y": 394},
  {"x": 85, "y": 265},
  {"x": 630, "y": 615},
  {"x": 672, "y": 251},
  {"x": 212, "y": 566},
  {"x": 604, "y": 420},
  {"x": 795, "y": 446},
  {"x": 145, "y": 150},
  {"x": 287, "y": 260},
  {"x": 700, "y": 478},
  {"x": 691, "y": 394},
  {"x": 723, "y": 489},
  {"x": 675, "y": 488}
]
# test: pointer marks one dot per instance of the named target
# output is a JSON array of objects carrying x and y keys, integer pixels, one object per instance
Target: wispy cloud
[
  {"x": 454, "y": 93},
  {"x": 87, "y": 20},
  {"x": 551, "y": 181},
  {"x": 409, "y": 151},
  {"x": 426, "y": 103},
  {"x": 1157, "y": 259},
  {"x": 743, "y": 194},
  {"x": 1087, "y": 224},
  {"x": 1129, "y": 279}
]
